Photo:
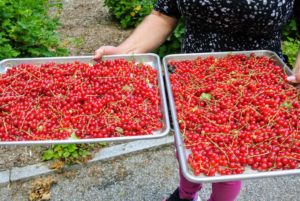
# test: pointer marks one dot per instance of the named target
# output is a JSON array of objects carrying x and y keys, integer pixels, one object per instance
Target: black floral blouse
[{"x": 231, "y": 25}]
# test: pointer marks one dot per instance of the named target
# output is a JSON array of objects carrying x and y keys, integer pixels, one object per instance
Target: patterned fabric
[
  {"x": 297, "y": 13},
  {"x": 231, "y": 25}
]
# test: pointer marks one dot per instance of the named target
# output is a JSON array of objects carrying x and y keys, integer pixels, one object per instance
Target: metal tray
[
  {"x": 150, "y": 59},
  {"x": 183, "y": 152}
]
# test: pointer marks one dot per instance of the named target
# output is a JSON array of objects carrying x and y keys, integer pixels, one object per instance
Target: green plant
[
  {"x": 291, "y": 42},
  {"x": 27, "y": 30},
  {"x": 173, "y": 43},
  {"x": 67, "y": 152},
  {"x": 70, "y": 153},
  {"x": 290, "y": 30},
  {"x": 290, "y": 47},
  {"x": 129, "y": 13}
]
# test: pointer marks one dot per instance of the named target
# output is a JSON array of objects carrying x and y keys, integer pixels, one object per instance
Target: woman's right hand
[
  {"x": 106, "y": 50},
  {"x": 296, "y": 77}
]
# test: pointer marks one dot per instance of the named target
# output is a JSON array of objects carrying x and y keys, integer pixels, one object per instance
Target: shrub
[
  {"x": 290, "y": 30},
  {"x": 290, "y": 47},
  {"x": 27, "y": 30},
  {"x": 129, "y": 13},
  {"x": 291, "y": 42}
]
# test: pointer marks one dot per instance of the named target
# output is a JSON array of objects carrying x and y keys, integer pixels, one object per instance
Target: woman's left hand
[{"x": 296, "y": 77}]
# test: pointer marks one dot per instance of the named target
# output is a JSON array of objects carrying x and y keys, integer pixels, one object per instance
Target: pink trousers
[{"x": 221, "y": 191}]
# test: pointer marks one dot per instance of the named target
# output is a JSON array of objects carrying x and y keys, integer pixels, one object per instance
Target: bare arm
[
  {"x": 297, "y": 17},
  {"x": 297, "y": 67},
  {"x": 150, "y": 34},
  {"x": 296, "y": 77}
]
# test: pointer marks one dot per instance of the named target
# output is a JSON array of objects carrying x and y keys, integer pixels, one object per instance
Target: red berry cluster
[
  {"x": 55, "y": 101},
  {"x": 236, "y": 112}
]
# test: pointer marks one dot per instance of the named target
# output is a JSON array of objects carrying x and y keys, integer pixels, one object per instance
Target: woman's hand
[
  {"x": 296, "y": 77},
  {"x": 106, "y": 50},
  {"x": 149, "y": 35}
]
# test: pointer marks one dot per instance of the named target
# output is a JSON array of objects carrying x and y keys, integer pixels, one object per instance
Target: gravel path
[
  {"x": 87, "y": 25},
  {"x": 145, "y": 176}
]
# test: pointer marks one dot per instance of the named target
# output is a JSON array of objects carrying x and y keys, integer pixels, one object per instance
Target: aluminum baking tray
[
  {"x": 149, "y": 58},
  {"x": 183, "y": 152}
]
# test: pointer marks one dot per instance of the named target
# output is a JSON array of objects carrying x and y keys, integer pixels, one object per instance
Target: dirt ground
[{"x": 85, "y": 26}]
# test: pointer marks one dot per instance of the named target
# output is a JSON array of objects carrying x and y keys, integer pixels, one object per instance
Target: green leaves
[
  {"x": 291, "y": 42},
  {"x": 129, "y": 13},
  {"x": 48, "y": 155},
  {"x": 71, "y": 153},
  {"x": 27, "y": 30},
  {"x": 66, "y": 152},
  {"x": 290, "y": 30},
  {"x": 286, "y": 104},
  {"x": 290, "y": 48},
  {"x": 205, "y": 96}
]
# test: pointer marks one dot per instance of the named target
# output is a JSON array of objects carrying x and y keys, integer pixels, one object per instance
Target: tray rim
[
  {"x": 182, "y": 155},
  {"x": 105, "y": 57},
  {"x": 164, "y": 106}
]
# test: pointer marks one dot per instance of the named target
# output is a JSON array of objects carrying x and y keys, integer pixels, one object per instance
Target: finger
[
  {"x": 291, "y": 78},
  {"x": 294, "y": 78},
  {"x": 297, "y": 77},
  {"x": 98, "y": 54},
  {"x": 109, "y": 50}
]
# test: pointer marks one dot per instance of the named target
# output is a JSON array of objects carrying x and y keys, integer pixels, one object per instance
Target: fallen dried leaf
[
  {"x": 57, "y": 165},
  {"x": 41, "y": 189},
  {"x": 46, "y": 196}
]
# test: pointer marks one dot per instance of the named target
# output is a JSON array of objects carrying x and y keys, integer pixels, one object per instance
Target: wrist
[
  {"x": 297, "y": 64},
  {"x": 122, "y": 49}
]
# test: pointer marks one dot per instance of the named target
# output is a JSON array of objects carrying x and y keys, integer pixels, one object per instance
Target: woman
[{"x": 224, "y": 25}]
